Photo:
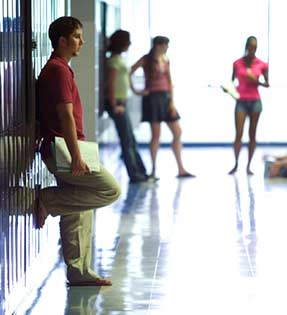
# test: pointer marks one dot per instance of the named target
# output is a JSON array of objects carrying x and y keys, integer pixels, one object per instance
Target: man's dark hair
[{"x": 63, "y": 26}]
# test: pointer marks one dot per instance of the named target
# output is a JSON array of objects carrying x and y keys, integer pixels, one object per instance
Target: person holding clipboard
[
  {"x": 248, "y": 71},
  {"x": 78, "y": 190}
]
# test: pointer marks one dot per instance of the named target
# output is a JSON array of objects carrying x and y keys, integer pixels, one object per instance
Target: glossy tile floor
[{"x": 215, "y": 244}]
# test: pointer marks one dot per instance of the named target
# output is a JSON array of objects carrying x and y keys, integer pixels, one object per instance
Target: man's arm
[{"x": 68, "y": 126}]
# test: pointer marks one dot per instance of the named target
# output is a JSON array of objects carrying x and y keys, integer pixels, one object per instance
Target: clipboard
[
  {"x": 89, "y": 152},
  {"x": 230, "y": 88}
]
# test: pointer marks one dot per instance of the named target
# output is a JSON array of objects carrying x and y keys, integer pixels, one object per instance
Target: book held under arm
[
  {"x": 230, "y": 88},
  {"x": 89, "y": 152}
]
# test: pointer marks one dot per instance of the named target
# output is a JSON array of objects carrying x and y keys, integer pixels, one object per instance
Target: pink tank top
[
  {"x": 247, "y": 89},
  {"x": 160, "y": 78}
]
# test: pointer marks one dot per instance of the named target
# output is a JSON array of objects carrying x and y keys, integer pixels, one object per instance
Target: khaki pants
[{"x": 74, "y": 199}]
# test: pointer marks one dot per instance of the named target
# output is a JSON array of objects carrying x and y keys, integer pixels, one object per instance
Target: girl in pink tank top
[
  {"x": 157, "y": 102},
  {"x": 248, "y": 70}
]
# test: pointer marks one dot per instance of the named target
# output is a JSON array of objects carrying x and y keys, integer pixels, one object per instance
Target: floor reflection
[
  {"x": 208, "y": 245},
  {"x": 246, "y": 225},
  {"x": 81, "y": 301},
  {"x": 132, "y": 269}
]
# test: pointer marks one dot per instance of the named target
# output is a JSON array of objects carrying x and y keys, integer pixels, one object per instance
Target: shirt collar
[{"x": 61, "y": 60}]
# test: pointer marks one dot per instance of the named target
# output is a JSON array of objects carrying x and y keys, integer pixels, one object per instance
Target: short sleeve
[
  {"x": 61, "y": 86},
  {"x": 114, "y": 63}
]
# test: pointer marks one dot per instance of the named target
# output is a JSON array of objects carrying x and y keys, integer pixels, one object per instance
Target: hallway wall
[
  {"x": 86, "y": 66},
  {"x": 23, "y": 50}
]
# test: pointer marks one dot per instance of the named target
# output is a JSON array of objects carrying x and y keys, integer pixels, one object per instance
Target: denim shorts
[{"x": 254, "y": 106}]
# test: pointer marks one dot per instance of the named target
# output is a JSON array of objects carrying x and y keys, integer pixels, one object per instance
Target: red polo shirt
[{"x": 56, "y": 85}]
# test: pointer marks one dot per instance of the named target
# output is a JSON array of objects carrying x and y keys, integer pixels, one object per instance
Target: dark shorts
[
  {"x": 155, "y": 108},
  {"x": 248, "y": 106}
]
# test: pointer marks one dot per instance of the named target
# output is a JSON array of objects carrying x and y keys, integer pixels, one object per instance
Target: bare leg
[
  {"x": 177, "y": 147},
  {"x": 154, "y": 144},
  {"x": 239, "y": 126},
  {"x": 252, "y": 139}
]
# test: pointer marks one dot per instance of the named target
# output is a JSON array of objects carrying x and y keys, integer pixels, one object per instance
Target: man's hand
[{"x": 79, "y": 167}]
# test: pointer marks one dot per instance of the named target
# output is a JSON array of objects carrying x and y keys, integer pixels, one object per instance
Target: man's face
[{"x": 75, "y": 42}]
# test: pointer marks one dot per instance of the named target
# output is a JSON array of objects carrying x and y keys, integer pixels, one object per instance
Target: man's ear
[{"x": 62, "y": 41}]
